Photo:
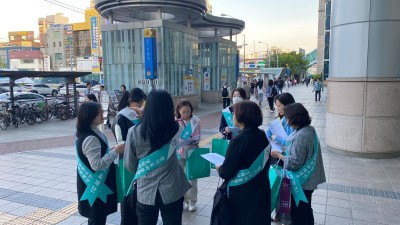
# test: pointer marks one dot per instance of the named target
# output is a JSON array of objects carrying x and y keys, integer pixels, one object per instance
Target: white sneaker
[
  {"x": 185, "y": 206},
  {"x": 192, "y": 207}
]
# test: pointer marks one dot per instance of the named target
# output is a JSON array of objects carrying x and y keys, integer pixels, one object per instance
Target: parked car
[
  {"x": 42, "y": 89},
  {"x": 22, "y": 98},
  {"x": 2, "y": 90},
  {"x": 79, "y": 89},
  {"x": 6, "y": 86}
]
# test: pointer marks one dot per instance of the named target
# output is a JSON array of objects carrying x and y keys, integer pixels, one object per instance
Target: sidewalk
[{"x": 38, "y": 186}]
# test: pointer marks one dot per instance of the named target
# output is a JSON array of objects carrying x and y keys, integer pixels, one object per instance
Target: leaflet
[
  {"x": 277, "y": 129},
  {"x": 276, "y": 147},
  {"x": 214, "y": 158}
]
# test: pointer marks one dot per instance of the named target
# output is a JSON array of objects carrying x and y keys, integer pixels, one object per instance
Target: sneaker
[
  {"x": 271, "y": 111},
  {"x": 192, "y": 207},
  {"x": 185, "y": 206}
]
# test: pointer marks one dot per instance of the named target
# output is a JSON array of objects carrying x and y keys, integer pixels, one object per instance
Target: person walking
[
  {"x": 246, "y": 87},
  {"x": 280, "y": 84},
  {"x": 303, "y": 160},
  {"x": 96, "y": 180},
  {"x": 225, "y": 95},
  {"x": 88, "y": 89},
  {"x": 185, "y": 118},
  {"x": 238, "y": 95},
  {"x": 287, "y": 84},
  {"x": 250, "y": 199},
  {"x": 126, "y": 118},
  {"x": 270, "y": 93},
  {"x": 150, "y": 154},
  {"x": 260, "y": 92},
  {"x": 318, "y": 88}
]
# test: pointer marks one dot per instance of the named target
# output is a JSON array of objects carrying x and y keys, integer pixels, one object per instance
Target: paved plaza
[{"x": 38, "y": 176}]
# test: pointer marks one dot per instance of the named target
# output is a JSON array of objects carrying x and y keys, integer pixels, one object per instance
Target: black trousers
[
  {"x": 171, "y": 213},
  {"x": 128, "y": 210},
  {"x": 98, "y": 220},
  {"x": 271, "y": 103},
  {"x": 280, "y": 90},
  {"x": 226, "y": 102},
  {"x": 302, "y": 214},
  {"x": 319, "y": 95}
]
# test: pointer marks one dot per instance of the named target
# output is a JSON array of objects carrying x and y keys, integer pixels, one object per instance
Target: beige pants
[{"x": 191, "y": 195}]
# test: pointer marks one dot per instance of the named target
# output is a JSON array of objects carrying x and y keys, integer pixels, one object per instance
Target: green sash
[
  {"x": 298, "y": 178},
  {"x": 245, "y": 175},
  {"x": 95, "y": 186},
  {"x": 155, "y": 159}
]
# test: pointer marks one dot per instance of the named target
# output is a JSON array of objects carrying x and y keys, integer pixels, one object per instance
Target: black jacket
[{"x": 99, "y": 208}]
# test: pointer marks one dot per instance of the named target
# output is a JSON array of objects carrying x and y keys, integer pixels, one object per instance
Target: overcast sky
[{"x": 281, "y": 23}]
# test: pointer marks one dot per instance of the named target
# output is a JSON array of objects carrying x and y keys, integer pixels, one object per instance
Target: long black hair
[
  {"x": 158, "y": 122},
  {"x": 123, "y": 102},
  {"x": 87, "y": 113}
]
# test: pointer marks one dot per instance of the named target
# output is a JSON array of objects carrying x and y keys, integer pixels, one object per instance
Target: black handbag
[{"x": 220, "y": 209}]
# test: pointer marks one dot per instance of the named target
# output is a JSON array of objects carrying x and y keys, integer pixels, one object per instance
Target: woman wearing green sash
[
  {"x": 96, "y": 181},
  {"x": 126, "y": 118},
  {"x": 303, "y": 155},
  {"x": 161, "y": 182},
  {"x": 249, "y": 202},
  {"x": 238, "y": 95}
]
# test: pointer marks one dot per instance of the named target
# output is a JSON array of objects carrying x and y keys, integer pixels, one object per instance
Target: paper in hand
[
  {"x": 277, "y": 129},
  {"x": 214, "y": 158},
  {"x": 276, "y": 147}
]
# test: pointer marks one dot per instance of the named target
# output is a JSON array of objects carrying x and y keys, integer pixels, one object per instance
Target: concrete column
[
  {"x": 111, "y": 18},
  {"x": 363, "y": 114}
]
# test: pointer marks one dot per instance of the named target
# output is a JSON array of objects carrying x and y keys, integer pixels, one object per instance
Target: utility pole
[{"x": 244, "y": 52}]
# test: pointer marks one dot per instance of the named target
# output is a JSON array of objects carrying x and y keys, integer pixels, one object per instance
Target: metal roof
[{"x": 21, "y": 74}]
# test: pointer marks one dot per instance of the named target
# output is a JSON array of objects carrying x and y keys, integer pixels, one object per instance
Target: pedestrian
[
  {"x": 287, "y": 84},
  {"x": 281, "y": 101},
  {"x": 260, "y": 92},
  {"x": 128, "y": 116},
  {"x": 238, "y": 95},
  {"x": 270, "y": 93},
  {"x": 303, "y": 159},
  {"x": 97, "y": 198},
  {"x": 250, "y": 199},
  {"x": 101, "y": 93},
  {"x": 226, "y": 91},
  {"x": 90, "y": 98},
  {"x": 123, "y": 88},
  {"x": 312, "y": 81},
  {"x": 185, "y": 117},
  {"x": 280, "y": 84},
  {"x": 247, "y": 89},
  {"x": 252, "y": 87},
  {"x": 307, "y": 81},
  {"x": 88, "y": 89},
  {"x": 318, "y": 88},
  {"x": 150, "y": 155}
]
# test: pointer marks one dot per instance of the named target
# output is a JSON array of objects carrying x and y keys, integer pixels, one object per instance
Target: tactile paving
[
  {"x": 54, "y": 218},
  {"x": 20, "y": 221},
  {"x": 39, "y": 214},
  {"x": 71, "y": 209}
]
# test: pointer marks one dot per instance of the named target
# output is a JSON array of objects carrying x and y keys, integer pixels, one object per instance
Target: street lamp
[{"x": 269, "y": 59}]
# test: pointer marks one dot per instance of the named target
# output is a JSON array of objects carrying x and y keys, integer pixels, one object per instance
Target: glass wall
[
  {"x": 218, "y": 63},
  {"x": 177, "y": 57}
]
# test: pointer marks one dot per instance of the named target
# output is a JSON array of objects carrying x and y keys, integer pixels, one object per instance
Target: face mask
[{"x": 237, "y": 100}]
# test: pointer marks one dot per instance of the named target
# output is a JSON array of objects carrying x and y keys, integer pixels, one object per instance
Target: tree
[
  {"x": 295, "y": 61},
  {"x": 3, "y": 64}
]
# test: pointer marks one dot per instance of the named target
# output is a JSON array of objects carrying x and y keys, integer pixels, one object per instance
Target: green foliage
[
  {"x": 3, "y": 63},
  {"x": 295, "y": 61},
  {"x": 316, "y": 76}
]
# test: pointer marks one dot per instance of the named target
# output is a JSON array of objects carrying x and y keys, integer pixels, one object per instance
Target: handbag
[
  {"x": 220, "y": 209},
  {"x": 275, "y": 179},
  {"x": 284, "y": 196},
  {"x": 196, "y": 166},
  {"x": 219, "y": 146}
]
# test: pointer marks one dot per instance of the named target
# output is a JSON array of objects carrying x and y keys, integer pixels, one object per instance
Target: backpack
[
  {"x": 225, "y": 92},
  {"x": 274, "y": 92}
]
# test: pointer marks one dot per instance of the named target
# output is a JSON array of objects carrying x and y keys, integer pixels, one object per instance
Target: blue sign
[
  {"x": 288, "y": 71},
  {"x": 93, "y": 26},
  {"x": 150, "y": 54}
]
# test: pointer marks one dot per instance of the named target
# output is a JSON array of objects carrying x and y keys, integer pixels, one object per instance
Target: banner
[{"x": 150, "y": 54}]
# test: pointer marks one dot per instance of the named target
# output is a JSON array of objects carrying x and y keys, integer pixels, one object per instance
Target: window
[
  {"x": 57, "y": 56},
  {"x": 327, "y": 37},
  {"x": 26, "y": 61},
  {"x": 59, "y": 44},
  {"x": 326, "y": 52},
  {"x": 54, "y": 44}
]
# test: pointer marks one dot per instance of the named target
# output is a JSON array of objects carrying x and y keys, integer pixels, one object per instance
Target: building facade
[
  {"x": 27, "y": 60},
  {"x": 324, "y": 27},
  {"x": 193, "y": 60},
  {"x": 43, "y": 24}
]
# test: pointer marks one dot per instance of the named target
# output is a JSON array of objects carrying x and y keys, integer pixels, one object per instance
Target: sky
[{"x": 281, "y": 23}]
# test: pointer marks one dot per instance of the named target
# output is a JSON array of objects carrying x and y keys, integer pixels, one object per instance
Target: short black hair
[
  {"x": 88, "y": 111},
  {"x": 297, "y": 115},
  {"x": 182, "y": 103},
  {"x": 123, "y": 85},
  {"x": 241, "y": 91},
  {"x": 248, "y": 113},
  {"x": 285, "y": 99},
  {"x": 88, "y": 83},
  {"x": 91, "y": 97},
  {"x": 270, "y": 82}
]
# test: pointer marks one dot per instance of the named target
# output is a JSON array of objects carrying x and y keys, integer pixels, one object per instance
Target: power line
[{"x": 69, "y": 7}]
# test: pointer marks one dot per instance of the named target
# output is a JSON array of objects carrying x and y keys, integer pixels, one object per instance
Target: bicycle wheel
[
  {"x": 3, "y": 122},
  {"x": 30, "y": 118}
]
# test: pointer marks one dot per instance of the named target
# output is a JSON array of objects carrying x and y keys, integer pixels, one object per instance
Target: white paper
[
  {"x": 234, "y": 131},
  {"x": 276, "y": 147},
  {"x": 277, "y": 129},
  {"x": 214, "y": 158}
]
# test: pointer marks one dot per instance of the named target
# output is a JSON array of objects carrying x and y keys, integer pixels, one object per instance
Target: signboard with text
[{"x": 150, "y": 54}]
